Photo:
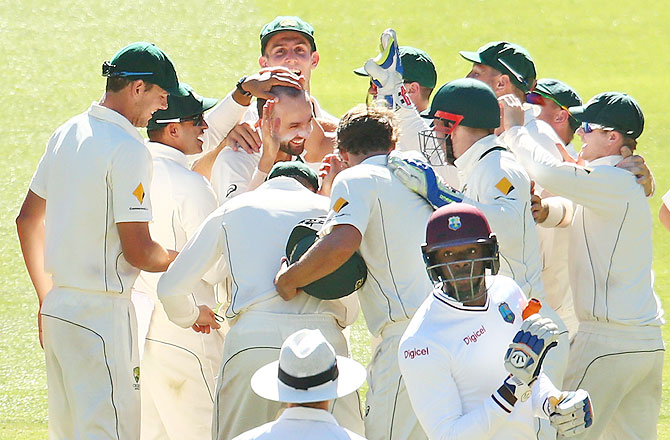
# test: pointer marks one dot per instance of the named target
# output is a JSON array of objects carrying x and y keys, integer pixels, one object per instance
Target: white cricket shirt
[
  {"x": 610, "y": 235},
  {"x": 241, "y": 245},
  {"x": 495, "y": 183},
  {"x": 301, "y": 423},
  {"x": 452, "y": 360},
  {"x": 95, "y": 172},
  {"x": 392, "y": 220}
]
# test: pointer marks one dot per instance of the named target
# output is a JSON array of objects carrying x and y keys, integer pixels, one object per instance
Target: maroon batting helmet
[{"x": 458, "y": 224}]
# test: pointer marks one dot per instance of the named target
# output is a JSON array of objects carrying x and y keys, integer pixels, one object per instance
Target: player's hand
[
  {"x": 511, "y": 112},
  {"x": 206, "y": 320},
  {"x": 538, "y": 208},
  {"x": 270, "y": 130},
  {"x": 259, "y": 84},
  {"x": 331, "y": 166},
  {"x": 572, "y": 414},
  {"x": 386, "y": 71},
  {"x": 418, "y": 175},
  {"x": 282, "y": 283},
  {"x": 530, "y": 345},
  {"x": 244, "y": 136},
  {"x": 635, "y": 164}
]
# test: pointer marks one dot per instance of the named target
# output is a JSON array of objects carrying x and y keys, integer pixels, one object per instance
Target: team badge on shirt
[
  {"x": 139, "y": 193},
  {"x": 136, "y": 376},
  {"x": 455, "y": 223},
  {"x": 339, "y": 204},
  {"x": 505, "y": 186},
  {"x": 506, "y": 312}
]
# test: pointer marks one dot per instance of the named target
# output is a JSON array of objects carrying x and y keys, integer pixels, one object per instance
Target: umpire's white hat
[{"x": 307, "y": 371}]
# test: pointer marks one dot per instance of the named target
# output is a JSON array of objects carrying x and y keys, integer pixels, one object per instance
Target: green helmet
[{"x": 472, "y": 102}]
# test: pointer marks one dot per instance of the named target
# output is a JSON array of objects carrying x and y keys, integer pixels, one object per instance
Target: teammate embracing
[{"x": 451, "y": 355}]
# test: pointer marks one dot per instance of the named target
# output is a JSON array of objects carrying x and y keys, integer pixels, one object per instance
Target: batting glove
[
  {"x": 526, "y": 353},
  {"x": 386, "y": 73},
  {"x": 511, "y": 391},
  {"x": 572, "y": 414},
  {"x": 417, "y": 174}
]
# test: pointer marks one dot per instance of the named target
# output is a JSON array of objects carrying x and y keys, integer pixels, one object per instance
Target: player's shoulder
[{"x": 503, "y": 289}]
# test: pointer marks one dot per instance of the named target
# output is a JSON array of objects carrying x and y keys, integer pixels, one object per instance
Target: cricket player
[
  {"x": 454, "y": 355},
  {"x": 240, "y": 247},
  {"x": 84, "y": 235},
  {"x": 617, "y": 353},
  {"x": 181, "y": 201},
  {"x": 288, "y": 42},
  {"x": 372, "y": 212}
]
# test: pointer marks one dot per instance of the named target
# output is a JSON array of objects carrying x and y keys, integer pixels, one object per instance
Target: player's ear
[
  {"x": 561, "y": 116},
  {"x": 174, "y": 129},
  {"x": 136, "y": 87},
  {"x": 315, "y": 59},
  {"x": 501, "y": 82},
  {"x": 263, "y": 61}
]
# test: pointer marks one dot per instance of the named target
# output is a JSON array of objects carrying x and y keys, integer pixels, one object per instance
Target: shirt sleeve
[
  {"x": 435, "y": 397},
  {"x": 410, "y": 124},
  {"x": 220, "y": 120},
  {"x": 598, "y": 188},
  {"x": 130, "y": 182},
  {"x": 196, "y": 205},
  {"x": 351, "y": 202},
  {"x": 666, "y": 199},
  {"x": 231, "y": 173},
  {"x": 195, "y": 259}
]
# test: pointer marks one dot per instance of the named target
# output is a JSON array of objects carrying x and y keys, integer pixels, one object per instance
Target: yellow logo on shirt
[
  {"x": 504, "y": 186},
  {"x": 339, "y": 204},
  {"x": 139, "y": 193}
]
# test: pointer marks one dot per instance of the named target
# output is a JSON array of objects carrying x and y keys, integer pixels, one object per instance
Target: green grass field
[{"x": 50, "y": 57}]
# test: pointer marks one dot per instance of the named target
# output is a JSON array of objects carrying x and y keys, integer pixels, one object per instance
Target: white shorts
[
  {"x": 92, "y": 365},
  {"x": 622, "y": 370},
  {"x": 254, "y": 340},
  {"x": 389, "y": 414}
]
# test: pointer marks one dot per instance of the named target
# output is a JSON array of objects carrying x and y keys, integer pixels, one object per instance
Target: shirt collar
[
  {"x": 377, "y": 159},
  {"x": 107, "y": 114},
  {"x": 469, "y": 159},
  {"x": 305, "y": 413},
  {"x": 162, "y": 151},
  {"x": 607, "y": 160}
]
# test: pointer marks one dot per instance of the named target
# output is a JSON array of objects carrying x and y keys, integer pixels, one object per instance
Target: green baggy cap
[
  {"x": 472, "y": 99},
  {"x": 181, "y": 107},
  {"x": 295, "y": 168},
  {"x": 560, "y": 92},
  {"x": 508, "y": 58},
  {"x": 417, "y": 67},
  {"x": 287, "y": 23},
  {"x": 143, "y": 61},
  {"x": 613, "y": 109}
]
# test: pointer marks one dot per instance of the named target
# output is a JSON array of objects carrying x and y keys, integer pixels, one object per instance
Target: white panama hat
[{"x": 307, "y": 371}]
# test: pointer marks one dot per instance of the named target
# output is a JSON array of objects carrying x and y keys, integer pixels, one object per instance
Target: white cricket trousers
[
  {"x": 254, "y": 340},
  {"x": 622, "y": 369},
  {"x": 92, "y": 365},
  {"x": 389, "y": 414}
]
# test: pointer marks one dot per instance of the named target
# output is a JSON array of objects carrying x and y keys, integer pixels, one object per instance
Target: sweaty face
[
  {"x": 463, "y": 272},
  {"x": 485, "y": 74},
  {"x": 291, "y": 50},
  {"x": 148, "y": 102},
  {"x": 295, "y": 123}
]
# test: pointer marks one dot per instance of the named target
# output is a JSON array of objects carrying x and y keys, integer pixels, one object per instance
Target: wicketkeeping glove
[
  {"x": 386, "y": 73},
  {"x": 530, "y": 345},
  {"x": 418, "y": 175},
  {"x": 572, "y": 414}
]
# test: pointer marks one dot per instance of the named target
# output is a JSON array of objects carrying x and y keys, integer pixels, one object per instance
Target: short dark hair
[
  {"x": 279, "y": 91},
  {"x": 117, "y": 83},
  {"x": 425, "y": 92},
  {"x": 366, "y": 129}
]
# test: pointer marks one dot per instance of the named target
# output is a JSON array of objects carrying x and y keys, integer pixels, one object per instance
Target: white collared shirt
[
  {"x": 301, "y": 423},
  {"x": 496, "y": 184},
  {"x": 181, "y": 200},
  {"x": 392, "y": 220},
  {"x": 95, "y": 172},
  {"x": 610, "y": 235},
  {"x": 451, "y": 358},
  {"x": 240, "y": 246}
]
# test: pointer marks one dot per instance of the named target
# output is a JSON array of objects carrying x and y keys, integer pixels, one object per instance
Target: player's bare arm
[
  {"x": 30, "y": 228},
  {"x": 140, "y": 250},
  {"x": 323, "y": 258}
]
